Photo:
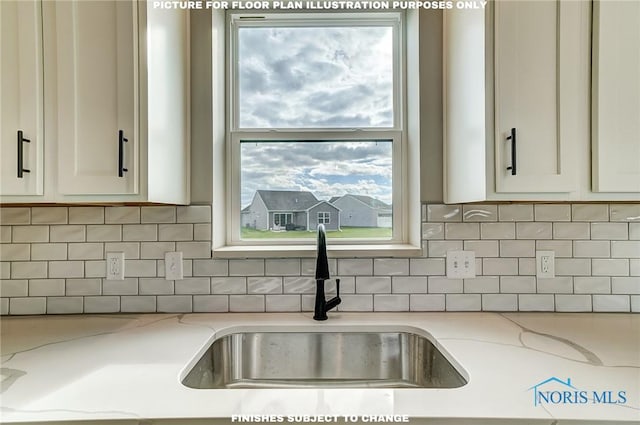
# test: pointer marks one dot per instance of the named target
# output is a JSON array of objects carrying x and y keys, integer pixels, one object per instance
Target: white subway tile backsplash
[
  {"x": 158, "y": 214},
  {"x": 246, "y": 303},
  {"x": 555, "y": 212},
  {"x": 592, "y": 285},
  {"x": 46, "y": 287},
  {"x": 4, "y": 306},
  {"x": 55, "y": 255},
  {"x": 635, "y": 303},
  {"x": 443, "y": 285},
  {"x": 625, "y": 285},
  {"x": 592, "y": 249},
  {"x": 49, "y": 215},
  {"x": 31, "y": 305},
  {"x": 83, "y": 287},
  {"x": 463, "y": 302},
  {"x": 498, "y": 230},
  {"x": 210, "y": 303},
  {"x": 571, "y": 231},
  {"x": 65, "y": 305},
  {"x": 625, "y": 249},
  {"x": 479, "y": 212},
  {"x": 612, "y": 303},
  {"x": 174, "y": 303},
  {"x": 534, "y": 230},
  {"x": 556, "y": 285},
  {"x": 610, "y": 267},
  {"x": 373, "y": 285},
  {"x": 48, "y": 251},
  {"x": 424, "y": 302},
  {"x": 573, "y": 303},
  {"x": 388, "y": 302},
  {"x": 515, "y": 212},
  {"x": 14, "y": 288},
  {"x": 15, "y": 216},
  {"x": 590, "y": 212},
  {"x": 500, "y": 302},
  {"x": 536, "y": 302},
  {"x": 30, "y": 234},
  {"x": 121, "y": 215}
]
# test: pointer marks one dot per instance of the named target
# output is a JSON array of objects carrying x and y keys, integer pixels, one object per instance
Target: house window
[
  {"x": 315, "y": 115},
  {"x": 324, "y": 218}
]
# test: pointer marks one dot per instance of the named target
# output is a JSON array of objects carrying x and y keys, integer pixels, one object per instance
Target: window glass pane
[
  {"x": 288, "y": 188},
  {"x": 315, "y": 77}
]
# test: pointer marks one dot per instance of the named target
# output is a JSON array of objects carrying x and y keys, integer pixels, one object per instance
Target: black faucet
[{"x": 322, "y": 274}]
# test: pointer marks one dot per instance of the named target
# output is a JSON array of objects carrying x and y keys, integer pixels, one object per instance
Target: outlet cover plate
[
  {"x": 545, "y": 264},
  {"x": 115, "y": 266},
  {"x": 173, "y": 265},
  {"x": 461, "y": 264}
]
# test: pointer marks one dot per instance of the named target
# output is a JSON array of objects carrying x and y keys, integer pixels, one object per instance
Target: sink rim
[{"x": 325, "y": 328}]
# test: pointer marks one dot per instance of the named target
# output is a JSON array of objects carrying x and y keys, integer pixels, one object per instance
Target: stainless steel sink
[{"x": 323, "y": 360}]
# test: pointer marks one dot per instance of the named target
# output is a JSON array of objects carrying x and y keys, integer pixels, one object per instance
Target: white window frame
[
  {"x": 226, "y": 242},
  {"x": 324, "y": 217}
]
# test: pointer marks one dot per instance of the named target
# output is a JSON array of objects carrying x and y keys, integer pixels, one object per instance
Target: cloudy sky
[{"x": 338, "y": 77}]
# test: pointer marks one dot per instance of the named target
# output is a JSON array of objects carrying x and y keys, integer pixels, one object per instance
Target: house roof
[
  {"x": 374, "y": 203},
  {"x": 287, "y": 200}
]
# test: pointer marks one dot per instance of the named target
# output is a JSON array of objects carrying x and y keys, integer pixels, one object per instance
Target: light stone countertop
[{"x": 128, "y": 368}]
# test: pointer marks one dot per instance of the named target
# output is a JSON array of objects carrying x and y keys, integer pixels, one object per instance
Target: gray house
[
  {"x": 289, "y": 210},
  {"x": 362, "y": 211}
]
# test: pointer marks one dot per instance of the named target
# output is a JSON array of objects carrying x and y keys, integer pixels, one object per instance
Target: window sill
[{"x": 309, "y": 251}]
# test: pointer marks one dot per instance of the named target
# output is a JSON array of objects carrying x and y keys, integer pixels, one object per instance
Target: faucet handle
[{"x": 337, "y": 288}]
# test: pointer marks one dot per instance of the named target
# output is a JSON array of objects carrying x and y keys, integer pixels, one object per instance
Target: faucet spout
[{"x": 322, "y": 274}]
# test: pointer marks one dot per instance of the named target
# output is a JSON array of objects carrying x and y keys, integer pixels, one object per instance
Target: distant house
[
  {"x": 362, "y": 211},
  {"x": 289, "y": 210}
]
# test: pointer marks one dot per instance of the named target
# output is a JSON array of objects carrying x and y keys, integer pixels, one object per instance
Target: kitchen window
[{"x": 316, "y": 129}]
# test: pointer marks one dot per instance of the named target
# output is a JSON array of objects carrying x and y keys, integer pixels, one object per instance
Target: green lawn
[{"x": 345, "y": 232}]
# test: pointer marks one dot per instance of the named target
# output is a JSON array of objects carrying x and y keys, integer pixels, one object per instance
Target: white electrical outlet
[
  {"x": 115, "y": 266},
  {"x": 461, "y": 264},
  {"x": 173, "y": 265},
  {"x": 545, "y": 264}
]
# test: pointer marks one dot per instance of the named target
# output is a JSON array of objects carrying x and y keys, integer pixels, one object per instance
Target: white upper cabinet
[
  {"x": 616, "y": 96},
  {"x": 537, "y": 71},
  {"x": 21, "y": 98},
  {"x": 97, "y": 93}
]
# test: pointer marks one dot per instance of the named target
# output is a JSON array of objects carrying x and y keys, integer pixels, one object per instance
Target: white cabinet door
[
  {"x": 616, "y": 96},
  {"x": 97, "y": 97},
  {"x": 21, "y": 98},
  {"x": 537, "y": 71}
]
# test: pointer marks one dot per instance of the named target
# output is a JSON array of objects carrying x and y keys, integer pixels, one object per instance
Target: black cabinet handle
[
  {"x": 21, "y": 168},
  {"x": 121, "y": 141},
  {"x": 513, "y": 152}
]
